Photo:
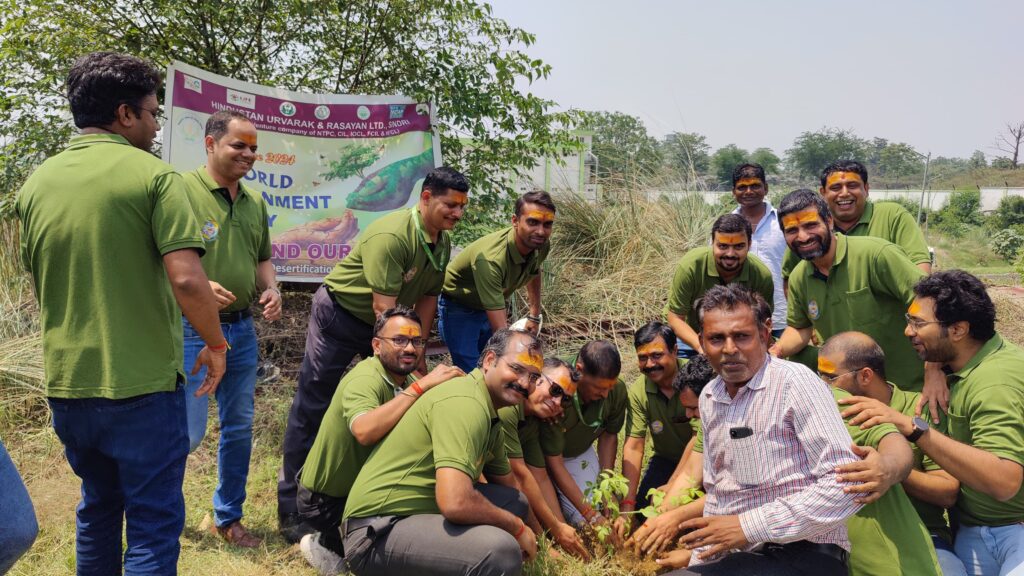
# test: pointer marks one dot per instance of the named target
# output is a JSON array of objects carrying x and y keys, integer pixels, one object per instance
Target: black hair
[
  {"x": 217, "y": 124},
  {"x": 748, "y": 170},
  {"x": 731, "y": 223},
  {"x": 100, "y": 82},
  {"x": 600, "y": 359},
  {"x": 499, "y": 341},
  {"x": 648, "y": 332},
  {"x": 960, "y": 297},
  {"x": 845, "y": 166},
  {"x": 858, "y": 351},
  {"x": 801, "y": 199},
  {"x": 538, "y": 197},
  {"x": 553, "y": 363},
  {"x": 399, "y": 310},
  {"x": 694, "y": 375},
  {"x": 728, "y": 297},
  {"x": 440, "y": 180}
]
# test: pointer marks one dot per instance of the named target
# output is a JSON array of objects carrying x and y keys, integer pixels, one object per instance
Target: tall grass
[{"x": 21, "y": 355}]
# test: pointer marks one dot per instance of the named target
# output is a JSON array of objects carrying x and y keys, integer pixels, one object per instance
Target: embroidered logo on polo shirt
[
  {"x": 408, "y": 276},
  {"x": 657, "y": 426},
  {"x": 812, "y": 310},
  {"x": 210, "y": 230}
]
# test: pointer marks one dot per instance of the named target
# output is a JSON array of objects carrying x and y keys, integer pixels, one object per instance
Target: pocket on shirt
[
  {"x": 742, "y": 460},
  {"x": 859, "y": 301},
  {"x": 958, "y": 426}
]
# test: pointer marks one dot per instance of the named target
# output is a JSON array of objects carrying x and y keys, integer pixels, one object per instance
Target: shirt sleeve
[
  {"x": 698, "y": 430},
  {"x": 362, "y": 395},
  {"x": 489, "y": 280},
  {"x": 825, "y": 443},
  {"x": 552, "y": 439},
  {"x": 532, "y": 453},
  {"x": 459, "y": 433},
  {"x": 789, "y": 262},
  {"x": 763, "y": 283},
  {"x": 497, "y": 463},
  {"x": 896, "y": 273},
  {"x": 384, "y": 263},
  {"x": 636, "y": 420},
  {"x": 796, "y": 308},
  {"x": 173, "y": 221},
  {"x": 510, "y": 431},
  {"x": 908, "y": 235},
  {"x": 619, "y": 405},
  {"x": 680, "y": 294},
  {"x": 996, "y": 424},
  {"x": 264, "y": 249}
]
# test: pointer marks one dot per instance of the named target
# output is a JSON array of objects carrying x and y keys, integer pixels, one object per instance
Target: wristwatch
[{"x": 920, "y": 427}]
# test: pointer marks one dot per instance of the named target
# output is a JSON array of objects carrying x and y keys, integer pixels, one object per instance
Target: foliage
[
  {"x": 812, "y": 151},
  {"x": 622, "y": 145},
  {"x": 1009, "y": 213},
  {"x": 771, "y": 163},
  {"x": 978, "y": 160},
  {"x": 724, "y": 161},
  {"x": 455, "y": 53},
  {"x": 1003, "y": 163},
  {"x": 353, "y": 159},
  {"x": 1007, "y": 244},
  {"x": 897, "y": 160},
  {"x": 686, "y": 155},
  {"x": 964, "y": 208}
]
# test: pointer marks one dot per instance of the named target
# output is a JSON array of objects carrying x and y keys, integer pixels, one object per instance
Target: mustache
[
  {"x": 652, "y": 369},
  {"x": 519, "y": 389}
]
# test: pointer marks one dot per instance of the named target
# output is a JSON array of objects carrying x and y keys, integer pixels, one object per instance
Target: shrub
[{"x": 1007, "y": 243}]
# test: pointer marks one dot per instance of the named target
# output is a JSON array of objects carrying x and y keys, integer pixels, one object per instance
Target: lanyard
[
  {"x": 600, "y": 415},
  {"x": 426, "y": 245}
]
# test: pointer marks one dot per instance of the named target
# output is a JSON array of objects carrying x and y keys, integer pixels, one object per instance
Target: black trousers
[
  {"x": 323, "y": 512},
  {"x": 334, "y": 337},
  {"x": 796, "y": 558}
]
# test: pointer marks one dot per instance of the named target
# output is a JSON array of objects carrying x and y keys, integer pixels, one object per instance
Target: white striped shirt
[
  {"x": 781, "y": 479},
  {"x": 769, "y": 244}
]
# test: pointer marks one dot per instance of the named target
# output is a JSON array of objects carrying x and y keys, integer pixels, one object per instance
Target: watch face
[{"x": 920, "y": 423}]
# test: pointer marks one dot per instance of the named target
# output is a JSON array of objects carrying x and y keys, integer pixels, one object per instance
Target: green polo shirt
[
  {"x": 96, "y": 220},
  {"x": 582, "y": 424},
  {"x": 665, "y": 418},
  {"x": 451, "y": 426},
  {"x": 336, "y": 457},
  {"x": 986, "y": 410},
  {"x": 390, "y": 260},
  {"x": 933, "y": 516},
  {"x": 887, "y": 536},
  {"x": 885, "y": 220},
  {"x": 490, "y": 269},
  {"x": 522, "y": 434},
  {"x": 236, "y": 234},
  {"x": 868, "y": 289},
  {"x": 696, "y": 274}
]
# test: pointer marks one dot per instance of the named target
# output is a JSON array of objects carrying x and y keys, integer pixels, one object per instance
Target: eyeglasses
[
  {"x": 832, "y": 379},
  {"x": 521, "y": 373},
  {"x": 157, "y": 113},
  {"x": 403, "y": 341},
  {"x": 917, "y": 323}
]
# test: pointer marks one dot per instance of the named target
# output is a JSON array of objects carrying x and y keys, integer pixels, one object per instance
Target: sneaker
[{"x": 323, "y": 560}]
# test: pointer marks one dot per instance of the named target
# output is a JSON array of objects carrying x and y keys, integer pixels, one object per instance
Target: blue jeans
[
  {"x": 235, "y": 406},
  {"x": 948, "y": 560},
  {"x": 18, "y": 528},
  {"x": 465, "y": 331},
  {"x": 130, "y": 455},
  {"x": 991, "y": 550}
]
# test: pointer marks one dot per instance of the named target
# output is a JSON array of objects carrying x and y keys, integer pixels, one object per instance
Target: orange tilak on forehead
[
  {"x": 528, "y": 358},
  {"x": 837, "y": 176},
  {"x": 733, "y": 238},
  {"x": 565, "y": 383},
  {"x": 650, "y": 348},
  {"x": 410, "y": 330},
  {"x": 459, "y": 197},
  {"x": 606, "y": 383},
  {"x": 249, "y": 139},
  {"x": 825, "y": 365},
  {"x": 748, "y": 182},
  {"x": 801, "y": 217},
  {"x": 915, "y": 309},
  {"x": 541, "y": 215}
]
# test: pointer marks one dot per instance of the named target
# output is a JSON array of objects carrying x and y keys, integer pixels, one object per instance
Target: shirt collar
[
  {"x": 716, "y": 389},
  {"x": 213, "y": 186},
  {"x": 88, "y": 139},
  {"x": 770, "y": 216},
  {"x": 712, "y": 269},
  {"x": 379, "y": 368},
  {"x": 994, "y": 343},
  {"x": 512, "y": 250}
]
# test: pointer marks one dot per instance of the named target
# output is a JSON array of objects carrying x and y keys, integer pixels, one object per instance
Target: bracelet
[
  {"x": 417, "y": 389},
  {"x": 409, "y": 394},
  {"x": 220, "y": 347},
  {"x": 275, "y": 289},
  {"x": 536, "y": 319},
  {"x": 629, "y": 502},
  {"x": 522, "y": 527}
]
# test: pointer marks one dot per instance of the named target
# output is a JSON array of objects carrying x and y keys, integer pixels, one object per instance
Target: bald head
[{"x": 853, "y": 351}]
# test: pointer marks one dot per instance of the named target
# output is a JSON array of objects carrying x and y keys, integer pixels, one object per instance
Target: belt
[
  {"x": 831, "y": 550},
  {"x": 231, "y": 317}
]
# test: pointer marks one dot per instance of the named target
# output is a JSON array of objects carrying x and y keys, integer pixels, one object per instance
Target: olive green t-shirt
[
  {"x": 522, "y": 434},
  {"x": 490, "y": 269},
  {"x": 887, "y": 536},
  {"x": 451, "y": 426},
  {"x": 336, "y": 456},
  {"x": 885, "y": 220},
  {"x": 96, "y": 221},
  {"x": 868, "y": 289},
  {"x": 932, "y": 515},
  {"x": 582, "y": 424},
  {"x": 696, "y": 274},
  {"x": 236, "y": 234},
  {"x": 986, "y": 410},
  {"x": 390, "y": 260},
  {"x": 665, "y": 418}
]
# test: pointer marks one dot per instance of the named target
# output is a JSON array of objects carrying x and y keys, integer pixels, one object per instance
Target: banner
[{"x": 327, "y": 165}]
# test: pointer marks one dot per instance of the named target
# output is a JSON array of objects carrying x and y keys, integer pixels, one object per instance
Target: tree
[
  {"x": 452, "y": 52},
  {"x": 353, "y": 160},
  {"x": 978, "y": 160},
  {"x": 1010, "y": 213},
  {"x": 1002, "y": 163},
  {"x": 687, "y": 155},
  {"x": 1009, "y": 141},
  {"x": 812, "y": 151},
  {"x": 723, "y": 162},
  {"x": 622, "y": 146},
  {"x": 767, "y": 159},
  {"x": 897, "y": 160}
]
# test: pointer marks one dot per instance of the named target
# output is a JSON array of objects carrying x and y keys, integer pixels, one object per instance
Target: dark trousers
[
  {"x": 659, "y": 470},
  {"x": 333, "y": 339},
  {"x": 323, "y": 512},
  {"x": 796, "y": 558},
  {"x": 429, "y": 545}
]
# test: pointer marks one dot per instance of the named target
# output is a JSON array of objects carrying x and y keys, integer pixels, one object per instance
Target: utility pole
[{"x": 924, "y": 184}]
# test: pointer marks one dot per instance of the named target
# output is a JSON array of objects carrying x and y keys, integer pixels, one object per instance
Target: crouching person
[{"x": 416, "y": 508}]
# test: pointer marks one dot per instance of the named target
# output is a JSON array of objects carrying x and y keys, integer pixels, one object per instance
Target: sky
[{"x": 943, "y": 76}]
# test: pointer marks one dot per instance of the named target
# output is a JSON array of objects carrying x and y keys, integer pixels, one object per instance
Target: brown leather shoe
[{"x": 237, "y": 535}]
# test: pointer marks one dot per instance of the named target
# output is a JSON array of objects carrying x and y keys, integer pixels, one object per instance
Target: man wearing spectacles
[
  {"x": 372, "y": 397},
  {"x": 416, "y": 506},
  {"x": 654, "y": 406},
  {"x": 598, "y": 412},
  {"x": 952, "y": 322},
  {"x": 400, "y": 259},
  {"x": 521, "y": 427}
]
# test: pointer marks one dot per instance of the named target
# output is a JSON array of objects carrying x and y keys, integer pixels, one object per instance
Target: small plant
[{"x": 1007, "y": 244}]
